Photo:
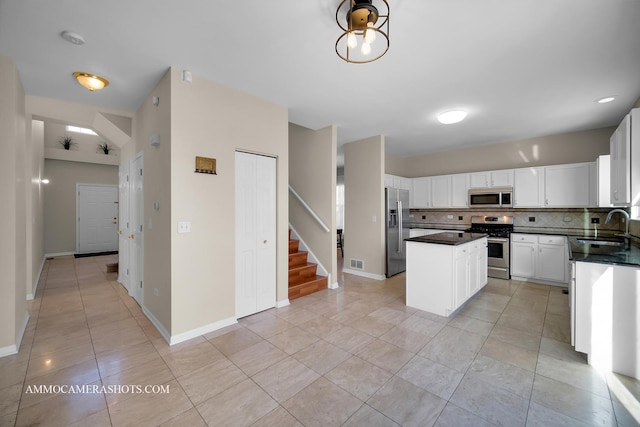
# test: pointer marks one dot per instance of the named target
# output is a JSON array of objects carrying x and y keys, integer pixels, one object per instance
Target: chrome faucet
[{"x": 626, "y": 235}]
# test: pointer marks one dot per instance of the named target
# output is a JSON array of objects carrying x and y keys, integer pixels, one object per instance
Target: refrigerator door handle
[{"x": 399, "y": 226}]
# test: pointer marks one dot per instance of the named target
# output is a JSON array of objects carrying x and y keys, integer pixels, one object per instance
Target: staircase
[{"x": 303, "y": 279}]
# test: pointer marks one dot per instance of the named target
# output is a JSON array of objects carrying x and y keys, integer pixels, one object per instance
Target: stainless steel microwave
[{"x": 496, "y": 197}]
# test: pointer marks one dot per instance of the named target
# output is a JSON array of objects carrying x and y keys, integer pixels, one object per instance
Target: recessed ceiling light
[
  {"x": 72, "y": 37},
  {"x": 453, "y": 116},
  {"x": 605, "y": 99}
]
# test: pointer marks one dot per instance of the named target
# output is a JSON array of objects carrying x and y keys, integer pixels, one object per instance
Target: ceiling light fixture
[
  {"x": 72, "y": 37},
  {"x": 453, "y": 116},
  {"x": 364, "y": 23},
  {"x": 605, "y": 100},
  {"x": 91, "y": 81}
]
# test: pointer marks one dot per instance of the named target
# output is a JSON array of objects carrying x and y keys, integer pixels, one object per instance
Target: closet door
[{"x": 255, "y": 212}]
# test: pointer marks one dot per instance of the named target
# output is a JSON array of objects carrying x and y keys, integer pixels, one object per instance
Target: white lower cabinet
[
  {"x": 606, "y": 303},
  {"x": 539, "y": 257},
  {"x": 440, "y": 278}
]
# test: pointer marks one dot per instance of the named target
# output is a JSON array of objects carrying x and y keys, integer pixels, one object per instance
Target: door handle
[
  {"x": 120, "y": 232},
  {"x": 132, "y": 236}
]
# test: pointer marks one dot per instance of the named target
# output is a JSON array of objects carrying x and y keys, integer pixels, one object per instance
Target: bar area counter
[{"x": 444, "y": 270}]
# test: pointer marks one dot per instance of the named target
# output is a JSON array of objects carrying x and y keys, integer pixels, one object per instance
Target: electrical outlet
[
  {"x": 532, "y": 219},
  {"x": 424, "y": 217},
  {"x": 460, "y": 217},
  {"x": 184, "y": 227},
  {"x": 595, "y": 220}
]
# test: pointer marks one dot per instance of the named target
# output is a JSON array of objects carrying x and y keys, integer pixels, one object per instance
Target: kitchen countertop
[
  {"x": 629, "y": 257},
  {"x": 448, "y": 238}
]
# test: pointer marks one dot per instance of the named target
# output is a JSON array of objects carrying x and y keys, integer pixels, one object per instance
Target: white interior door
[
  {"x": 97, "y": 226},
  {"x": 136, "y": 227},
  {"x": 123, "y": 225},
  {"x": 255, "y": 209}
]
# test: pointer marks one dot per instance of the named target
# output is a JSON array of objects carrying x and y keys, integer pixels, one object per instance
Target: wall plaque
[{"x": 206, "y": 165}]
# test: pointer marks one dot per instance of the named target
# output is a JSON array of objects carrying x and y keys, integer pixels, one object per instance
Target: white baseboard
[
  {"x": 283, "y": 303},
  {"x": 58, "y": 254},
  {"x": 157, "y": 324},
  {"x": 539, "y": 281},
  {"x": 36, "y": 282},
  {"x": 13, "y": 348},
  {"x": 176, "y": 339},
  {"x": 333, "y": 285},
  {"x": 364, "y": 274}
]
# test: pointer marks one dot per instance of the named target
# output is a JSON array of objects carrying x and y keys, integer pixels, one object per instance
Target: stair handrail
[{"x": 308, "y": 208}]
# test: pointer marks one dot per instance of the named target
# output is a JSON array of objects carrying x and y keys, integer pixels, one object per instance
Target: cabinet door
[
  {"x": 461, "y": 276},
  {"x": 552, "y": 262},
  {"x": 620, "y": 147},
  {"x": 475, "y": 279},
  {"x": 479, "y": 180},
  {"x": 402, "y": 183},
  {"x": 460, "y": 190},
  {"x": 503, "y": 178},
  {"x": 523, "y": 259},
  {"x": 441, "y": 191},
  {"x": 529, "y": 187},
  {"x": 567, "y": 185},
  {"x": 420, "y": 194},
  {"x": 388, "y": 180}
]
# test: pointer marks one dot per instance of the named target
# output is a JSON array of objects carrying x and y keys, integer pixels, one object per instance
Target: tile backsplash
[{"x": 585, "y": 221}]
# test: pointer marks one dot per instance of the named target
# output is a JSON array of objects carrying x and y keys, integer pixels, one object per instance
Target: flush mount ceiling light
[
  {"x": 605, "y": 100},
  {"x": 367, "y": 27},
  {"x": 453, "y": 116},
  {"x": 91, "y": 81},
  {"x": 72, "y": 37}
]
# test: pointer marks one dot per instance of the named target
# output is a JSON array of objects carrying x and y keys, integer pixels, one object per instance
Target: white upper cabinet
[
  {"x": 388, "y": 180},
  {"x": 528, "y": 187},
  {"x": 625, "y": 161},
  {"x": 441, "y": 191},
  {"x": 460, "y": 190},
  {"x": 501, "y": 178},
  {"x": 567, "y": 185},
  {"x": 420, "y": 194}
]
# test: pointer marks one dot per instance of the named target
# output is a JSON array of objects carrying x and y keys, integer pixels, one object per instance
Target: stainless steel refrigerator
[{"x": 397, "y": 219}]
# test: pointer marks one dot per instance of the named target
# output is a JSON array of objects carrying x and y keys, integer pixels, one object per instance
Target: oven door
[{"x": 498, "y": 257}]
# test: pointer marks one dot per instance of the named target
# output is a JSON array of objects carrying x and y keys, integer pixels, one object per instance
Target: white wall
[
  {"x": 13, "y": 223},
  {"x": 312, "y": 165},
  {"x": 35, "y": 206},
  {"x": 364, "y": 205}
]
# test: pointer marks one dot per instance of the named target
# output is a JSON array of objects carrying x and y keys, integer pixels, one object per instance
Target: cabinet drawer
[
  {"x": 551, "y": 240},
  {"x": 524, "y": 238}
]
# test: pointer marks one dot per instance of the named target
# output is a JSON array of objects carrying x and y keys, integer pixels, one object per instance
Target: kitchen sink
[{"x": 601, "y": 241}]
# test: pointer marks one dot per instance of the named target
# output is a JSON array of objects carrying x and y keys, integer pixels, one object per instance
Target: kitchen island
[{"x": 444, "y": 270}]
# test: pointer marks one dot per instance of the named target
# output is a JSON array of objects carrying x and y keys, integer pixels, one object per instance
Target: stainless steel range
[{"x": 499, "y": 229}]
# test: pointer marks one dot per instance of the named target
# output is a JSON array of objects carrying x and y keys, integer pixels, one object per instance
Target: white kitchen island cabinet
[
  {"x": 606, "y": 306},
  {"x": 444, "y": 270}
]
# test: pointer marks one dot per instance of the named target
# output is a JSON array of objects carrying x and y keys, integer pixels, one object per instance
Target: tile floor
[{"x": 355, "y": 356}]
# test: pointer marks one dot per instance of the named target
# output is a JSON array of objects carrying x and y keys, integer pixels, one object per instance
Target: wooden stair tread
[
  {"x": 303, "y": 279},
  {"x": 317, "y": 284}
]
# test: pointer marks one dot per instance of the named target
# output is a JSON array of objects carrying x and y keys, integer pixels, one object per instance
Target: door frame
[
  {"x": 77, "y": 219},
  {"x": 136, "y": 269}
]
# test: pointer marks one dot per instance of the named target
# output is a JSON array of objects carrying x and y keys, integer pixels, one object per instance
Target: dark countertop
[
  {"x": 627, "y": 257},
  {"x": 452, "y": 239},
  {"x": 461, "y": 227}
]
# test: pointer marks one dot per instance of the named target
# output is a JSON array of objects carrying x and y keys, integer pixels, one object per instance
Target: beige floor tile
[
  {"x": 284, "y": 379},
  {"x": 150, "y": 408},
  {"x": 322, "y": 356},
  {"x": 240, "y": 405},
  {"x": 385, "y": 355},
  {"x": 557, "y": 327},
  {"x": 257, "y": 357},
  {"x": 502, "y": 375},
  {"x": 191, "y": 358},
  {"x": 575, "y": 374},
  {"x": 493, "y": 404},
  {"x": 151, "y": 373},
  {"x": 472, "y": 325},
  {"x": 406, "y": 339},
  {"x": 53, "y": 362},
  {"x": 52, "y": 344},
  {"x": 189, "y": 418},
  {"x": 359, "y": 377},
  {"x": 270, "y": 326},
  {"x": 454, "y": 348},
  {"x": 279, "y": 417},
  {"x": 509, "y": 353},
  {"x": 453, "y": 415},
  {"x": 293, "y": 340},
  {"x": 321, "y": 326},
  {"x": 371, "y": 326},
  {"x": 206, "y": 382},
  {"x": 367, "y": 416},
  {"x": 431, "y": 376},
  {"x": 516, "y": 337},
  {"x": 118, "y": 339},
  {"x": 561, "y": 350},
  {"x": 389, "y": 315},
  {"x": 480, "y": 313},
  {"x": 99, "y": 419},
  {"x": 296, "y": 316},
  {"x": 10, "y": 398},
  {"x": 425, "y": 326},
  {"x": 62, "y": 409},
  {"x": 539, "y": 415},
  {"x": 114, "y": 361},
  {"x": 310, "y": 406},
  {"x": 235, "y": 341},
  {"x": 407, "y": 404},
  {"x": 573, "y": 402},
  {"x": 349, "y": 339}
]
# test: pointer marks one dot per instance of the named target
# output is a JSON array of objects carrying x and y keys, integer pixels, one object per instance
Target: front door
[
  {"x": 255, "y": 209},
  {"x": 97, "y": 229}
]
